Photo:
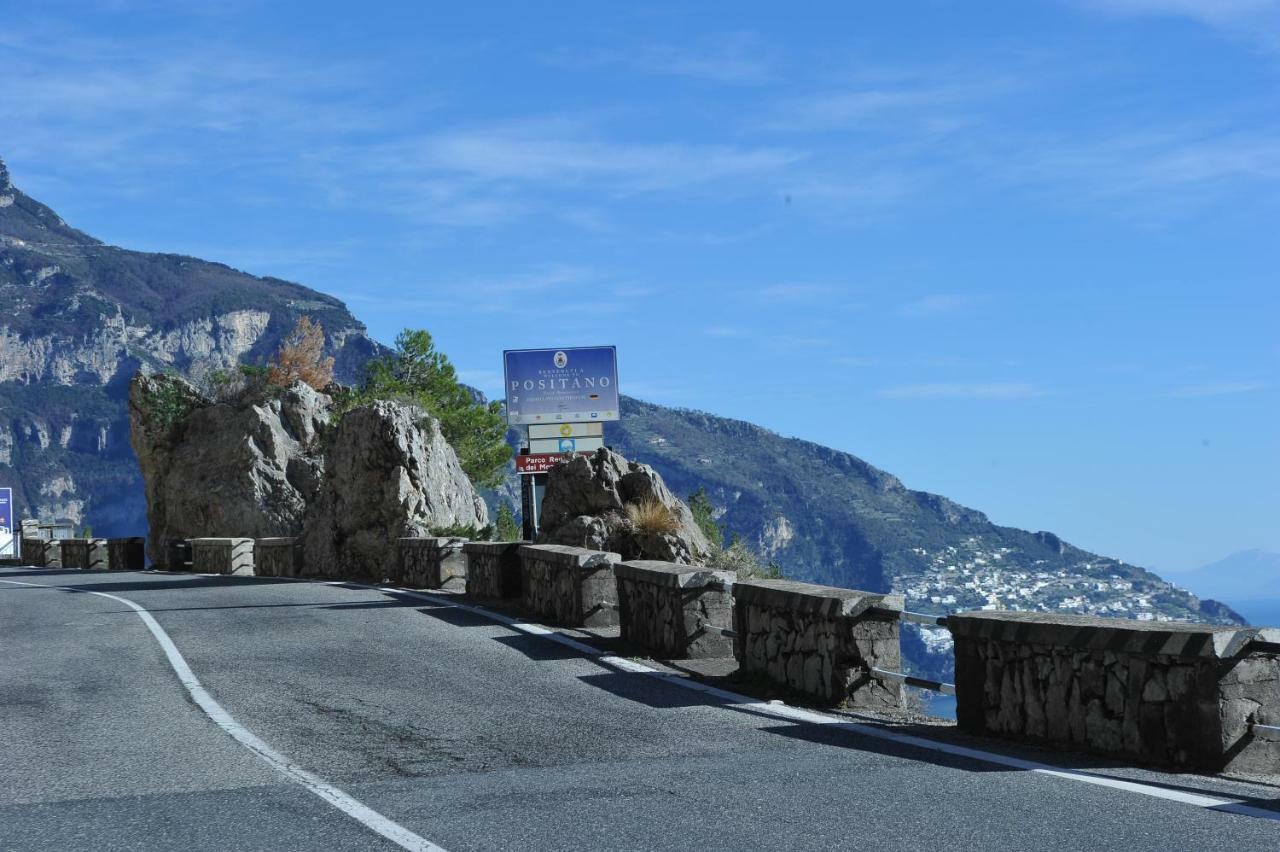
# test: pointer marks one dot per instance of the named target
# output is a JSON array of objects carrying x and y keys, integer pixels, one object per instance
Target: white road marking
[
  {"x": 786, "y": 712},
  {"x": 373, "y": 820}
]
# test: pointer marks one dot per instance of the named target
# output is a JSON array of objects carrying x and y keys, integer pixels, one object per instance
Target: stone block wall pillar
[
  {"x": 84, "y": 554},
  {"x": 666, "y": 608},
  {"x": 178, "y": 555},
  {"x": 432, "y": 563},
  {"x": 819, "y": 641},
  {"x": 277, "y": 557},
  {"x": 52, "y": 554},
  {"x": 32, "y": 551},
  {"x": 126, "y": 554},
  {"x": 570, "y": 586},
  {"x": 493, "y": 569},
  {"x": 1160, "y": 693},
  {"x": 222, "y": 556},
  {"x": 75, "y": 553}
]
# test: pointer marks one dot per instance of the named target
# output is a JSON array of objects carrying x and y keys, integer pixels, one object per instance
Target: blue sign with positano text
[{"x": 570, "y": 385}]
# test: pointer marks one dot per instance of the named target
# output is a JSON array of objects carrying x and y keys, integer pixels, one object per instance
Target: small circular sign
[{"x": 561, "y": 360}]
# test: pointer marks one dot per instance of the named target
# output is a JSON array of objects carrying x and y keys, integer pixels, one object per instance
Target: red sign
[{"x": 537, "y": 462}]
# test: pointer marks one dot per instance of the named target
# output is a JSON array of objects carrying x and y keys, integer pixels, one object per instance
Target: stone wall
[
  {"x": 819, "y": 641},
  {"x": 177, "y": 555},
  {"x": 493, "y": 569},
  {"x": 277, "y": 557},
  {"x": 32, "y": 551},
  {"x": 222, "y": 556},
  {"x": 85, "y": 554},
  {"x": 126, "y": 554},
  {"x": 1161, "y": 693},
  {"x": 570, "y": 586},
  {"x": 665, "y": 608},
  {"x": 431, "y": 563}
]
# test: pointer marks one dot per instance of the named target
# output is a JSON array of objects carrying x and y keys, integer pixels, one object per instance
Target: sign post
[
  {"x": 563, "y": 396},
  {"x": 8, "y": 530}
]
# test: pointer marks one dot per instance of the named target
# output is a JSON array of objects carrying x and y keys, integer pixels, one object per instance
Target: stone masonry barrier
[
  {"x": 177, "y": 555},
  {"x": 222, "y": 556},
  {"x": 277, "y": 557},
  {"x": 51, "y": 554},
  {"x": 493, "y": 569},
  {"x": 32, "y": 551},
  {"x": 570, "y": 586},
  {"x": 1163, "y": 693},
  {"x": 126, "y": 554},
  {"x": 666, "y": 608},
  {"x": 432, "y": 563},
  {"x": 85, "y": 554},
  {"x": 819, "y": 641}
]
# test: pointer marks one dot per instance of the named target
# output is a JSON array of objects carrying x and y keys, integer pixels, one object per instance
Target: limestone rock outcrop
[
  {"x": 282, "y": 463},
  {"x": 248, "y": 467},
  {"x": 586, "y": 503},
  {"x": 388, "y": 474}
]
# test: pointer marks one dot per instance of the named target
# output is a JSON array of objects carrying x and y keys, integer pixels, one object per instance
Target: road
[{"x": 412, "y": 718}]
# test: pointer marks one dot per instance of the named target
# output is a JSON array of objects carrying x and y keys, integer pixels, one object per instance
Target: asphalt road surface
[{"x": 321, "y": 717}]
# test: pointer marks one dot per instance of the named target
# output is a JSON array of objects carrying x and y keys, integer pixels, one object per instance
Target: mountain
[
  {"x": 84, "y": 316},
  {"x": 81, "y": 317},
  {"x": 1242, "y": 576}
]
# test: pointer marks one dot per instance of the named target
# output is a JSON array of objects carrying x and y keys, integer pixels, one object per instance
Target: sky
[{"x": 1023, "y": 254}]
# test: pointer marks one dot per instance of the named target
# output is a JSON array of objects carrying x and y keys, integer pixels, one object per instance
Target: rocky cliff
[
  {"x": 244, "y": 467},
  {"x": 388, "y": 474},
  {"x": 589, "y": 503},
  {"x": 268, "y": 462},
  {"x": 82, "y": 317}
]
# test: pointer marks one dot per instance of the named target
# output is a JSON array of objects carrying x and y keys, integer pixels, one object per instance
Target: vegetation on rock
[
  {"x": 652, "y": 517},
  {"x": 417, "y": 372},
  {"x": 301, "y": 357}
]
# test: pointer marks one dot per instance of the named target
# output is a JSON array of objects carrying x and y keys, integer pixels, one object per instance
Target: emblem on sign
[{"x": 561, "y": 360}]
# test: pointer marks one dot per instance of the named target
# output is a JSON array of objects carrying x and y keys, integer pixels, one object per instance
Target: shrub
[
  {"x": 506, "y": 528},
  {"x": 467, "y": 531},
  {"x": 652, "y": 517},
  {"x": 704, "y": 517},
  {"x": 301, "y": 357},
  {"x": 743, "y": 561}
]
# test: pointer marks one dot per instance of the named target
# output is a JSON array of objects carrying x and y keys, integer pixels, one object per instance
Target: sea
[{"x": 1261, "y": 612}]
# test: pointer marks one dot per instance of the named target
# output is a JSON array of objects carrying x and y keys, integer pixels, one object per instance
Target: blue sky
[{"x": 1023, "y": 254}]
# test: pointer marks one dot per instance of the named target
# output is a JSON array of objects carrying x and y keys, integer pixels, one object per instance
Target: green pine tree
[
  {"x": 419, "y": 373},
  {"x": 506, "y": 528}
]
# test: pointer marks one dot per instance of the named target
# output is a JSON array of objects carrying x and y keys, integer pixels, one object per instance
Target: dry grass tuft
[{"x": 650, "y": 516}]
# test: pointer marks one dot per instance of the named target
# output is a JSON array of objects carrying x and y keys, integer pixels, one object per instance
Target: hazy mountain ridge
[{"x": 82, "y": 317}]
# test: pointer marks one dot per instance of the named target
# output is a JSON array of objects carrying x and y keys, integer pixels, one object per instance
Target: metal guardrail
[
  {"x": 923, "y": 618},
  {"x": 910, "y": 680}
]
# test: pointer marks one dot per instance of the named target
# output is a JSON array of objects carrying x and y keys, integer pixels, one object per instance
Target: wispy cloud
[
  {"x": 735, "y": 58},
  {"x": 1253, "y": 17},
  {"x": 999, "y": 390},
  {"x": 1221, "y": 389},
  {"x": 937, "y": 304}
]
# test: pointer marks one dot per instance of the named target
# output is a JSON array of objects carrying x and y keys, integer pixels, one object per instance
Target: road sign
[
  {"x": 566, "y": 430},
  {"x": 565, "y": 445},
  {"x": 575, "y": 385},
  {"x": 536, "y": 463},
  {"x": 8, "y": 538}
]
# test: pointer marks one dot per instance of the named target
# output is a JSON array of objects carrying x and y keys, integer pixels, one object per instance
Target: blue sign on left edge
[
  {"x": 7, "y": 537},
  {"x": 571, "y": 385}
]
